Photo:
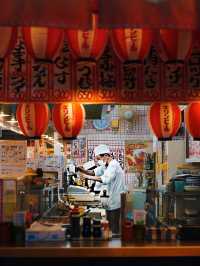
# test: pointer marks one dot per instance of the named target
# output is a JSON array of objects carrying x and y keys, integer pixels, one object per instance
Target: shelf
[{"x": 182, "y": 194}]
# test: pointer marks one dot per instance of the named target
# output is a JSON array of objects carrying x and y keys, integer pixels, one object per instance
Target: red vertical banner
[
  {"x": 61, "y": 72},
  {"x": 1, "y": 200},
  {"x": 192, "y": 86},
  {"x": 173, "y": 82},
  {"x": 17, "y": 74},
  {"x": 108, "y": 77},
  {"x": 151, "y": 77},
  {"x": 129, "y": 90},
  {"x": 85, "y": 81},
  {"x": 3, "y": 79},
  {"x": 39, "y": 89}
]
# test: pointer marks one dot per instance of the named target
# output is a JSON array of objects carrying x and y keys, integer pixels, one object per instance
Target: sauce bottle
[{"x": 75, "y": 223}]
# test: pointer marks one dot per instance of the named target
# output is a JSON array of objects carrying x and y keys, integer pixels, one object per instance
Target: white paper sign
[{"x": 12, "y": 158}]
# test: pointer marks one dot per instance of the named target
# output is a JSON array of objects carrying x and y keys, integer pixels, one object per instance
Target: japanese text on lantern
[
  {"x": 17, "y": 87},
  {"x": 151, "y": 76},
  {"x": 85, "y": 44},
  {"x": 85, "y": 80},
  {"x": 132, "y": 38},
  {"x": 107, "y": 76},
  {"x": 67, "y": 118},
  {"x": 28, "y": 120},
  {"x": 62, "y": 75},
  {"x": 39, "y": 84},
  {"x": 193, "y": 74},
  {"x": 165, "y": 118}
]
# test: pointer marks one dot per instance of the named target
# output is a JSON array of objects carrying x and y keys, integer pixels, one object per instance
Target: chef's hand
[
  {"x": 78, "y": 168},
  {"x": 82, "y": 177}
]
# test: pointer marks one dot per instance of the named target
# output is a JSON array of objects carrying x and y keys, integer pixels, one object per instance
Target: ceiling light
[
  {"x": 2, "y": 114},
  {"x": 12, "y": 120},
  {"x": 45, "y": 136}
]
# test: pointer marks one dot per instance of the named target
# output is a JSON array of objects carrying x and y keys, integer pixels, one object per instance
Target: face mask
[{"x": 101, "y": 162}]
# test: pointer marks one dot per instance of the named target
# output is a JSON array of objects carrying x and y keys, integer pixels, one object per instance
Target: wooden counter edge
[{"x": 101, "y": 252}]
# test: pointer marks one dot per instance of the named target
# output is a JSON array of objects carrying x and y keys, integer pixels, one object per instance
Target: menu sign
[{"x": 12, "y": 158}]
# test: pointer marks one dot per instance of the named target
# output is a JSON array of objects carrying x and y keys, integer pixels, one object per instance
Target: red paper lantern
[
  {"x": 192, "y": 120},
  {"x": 88, "y": 44},
  {"x": 68, "y": 119},
  {"x": 131, "y": 44},
  {"x": 41, "y": 42},
  {"x": 33, "y": 118},
  {"x": 175, "y": 44},
  {"x": 8, "y": 40},
  {"x": 164, "y": 119}
]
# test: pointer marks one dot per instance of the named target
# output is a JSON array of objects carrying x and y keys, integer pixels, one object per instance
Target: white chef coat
[
  {"x": 114, "y": 178},
  {"x": 99, "y": 171}
]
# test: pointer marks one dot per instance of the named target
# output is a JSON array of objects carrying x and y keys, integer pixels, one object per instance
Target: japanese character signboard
[
  {"x": 85, "y": 81},
  {"x": 107, "y": 76},
  {"x": 39, "y": 81},
  {"x": 174, "y": 80},
  {"x": 193, "y": 75},
  {"x": 130, "y": 82},
  {"x": 17, "y": 79},
  {"x": 106, "y": 80},
  {"x": 151, "y": 77},
  {"x": 62, "y": 74}
]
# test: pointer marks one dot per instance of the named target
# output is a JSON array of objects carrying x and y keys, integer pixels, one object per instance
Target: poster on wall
[
  {"x": 79, "y": 150},
  {"x": 116, "y": 148},
  {"x": 192, "y": 149},
  {"x": 12, "y": 158},
  {"x": 138, "y": 155}
]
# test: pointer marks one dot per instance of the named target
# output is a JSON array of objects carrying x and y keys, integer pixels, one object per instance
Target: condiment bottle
[
  {"x": 86, "y": 226},
  {"x": 75, "y": 223},
  {"x": 127, "y": 230},
  {"x": 105, "y": 229},
  {"x": 97, "y": 228}
]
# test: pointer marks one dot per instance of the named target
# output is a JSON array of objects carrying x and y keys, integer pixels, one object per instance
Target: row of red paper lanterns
[
  {"x": 33, "y": 119},
  {"x": 129, "y": 44},
  {"x": 164, "y": 119}
]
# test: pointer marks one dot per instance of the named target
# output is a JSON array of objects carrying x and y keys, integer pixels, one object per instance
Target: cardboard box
[{"x": 41, "y": 233}]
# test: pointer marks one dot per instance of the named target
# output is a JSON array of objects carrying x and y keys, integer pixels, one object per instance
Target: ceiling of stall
[{"x": 93, "y": 111}]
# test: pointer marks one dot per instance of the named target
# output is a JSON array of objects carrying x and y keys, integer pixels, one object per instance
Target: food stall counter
[{"x": 103, "y": 249}]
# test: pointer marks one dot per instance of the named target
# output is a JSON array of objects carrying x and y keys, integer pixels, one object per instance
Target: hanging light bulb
[
  {"x": 2, "y": 114},
  {"x": 45, "y": 136},
  {"x": 12, "y": 120}
]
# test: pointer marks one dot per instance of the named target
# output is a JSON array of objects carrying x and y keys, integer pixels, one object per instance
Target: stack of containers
[{"x": 8, "y": 199}]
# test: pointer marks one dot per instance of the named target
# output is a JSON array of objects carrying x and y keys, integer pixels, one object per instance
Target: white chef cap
[{"x": 101, "y": 149}]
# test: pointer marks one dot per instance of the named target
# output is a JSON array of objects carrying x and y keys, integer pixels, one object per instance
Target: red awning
[
  {"x": 179, "y": 14},
  {"x": 50, "y": 13},
  {"x": 77, "y": 14}
]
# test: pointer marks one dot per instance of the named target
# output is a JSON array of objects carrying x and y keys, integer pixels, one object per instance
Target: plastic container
[
  {"x": 86, "y": 226},
  {"x": 139, "y": 232},
  {"x": 179, "y": 185},
  {"x": 5, "y": 233},
  {"x": 127, "y": 230}
]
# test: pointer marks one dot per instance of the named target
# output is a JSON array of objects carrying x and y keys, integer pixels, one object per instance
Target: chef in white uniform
[{"x": 113, "y": 178}]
